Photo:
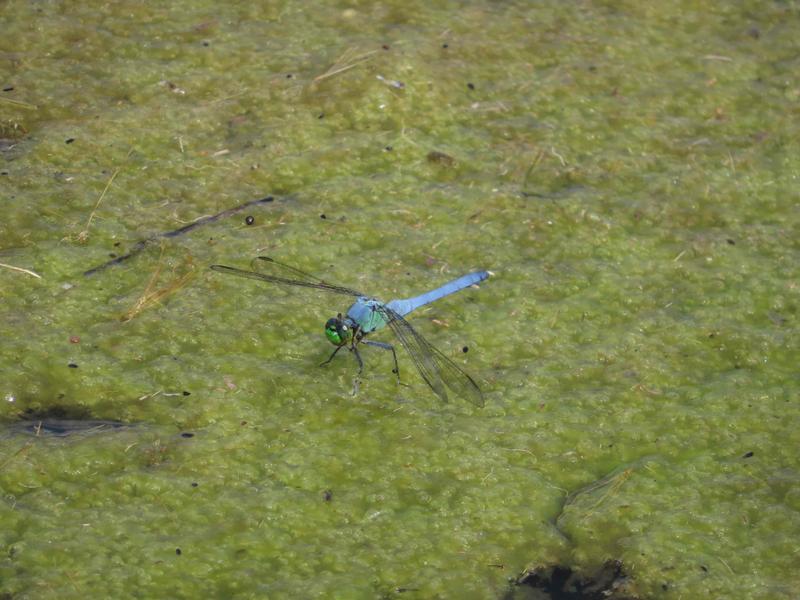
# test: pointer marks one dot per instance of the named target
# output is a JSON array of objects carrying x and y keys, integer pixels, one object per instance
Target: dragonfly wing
[
  {"x": 265, "y": 264},
  {"x": 456, "y": 379},
  {"x": 423, "y": 360},
  {"x": 435, "y": 368},
  {"x": 302, "y": 279}
]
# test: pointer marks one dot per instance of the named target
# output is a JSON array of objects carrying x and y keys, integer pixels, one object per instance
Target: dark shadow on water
[
  {"x": 59, "y": 421},
  {"x": 560, "y": 582}
]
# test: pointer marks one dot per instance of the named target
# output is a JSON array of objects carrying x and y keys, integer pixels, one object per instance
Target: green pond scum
[{"x": 628, "y": 172}]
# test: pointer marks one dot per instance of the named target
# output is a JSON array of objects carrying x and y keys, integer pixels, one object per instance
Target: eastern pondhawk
[{"x": 368, "y": 314}]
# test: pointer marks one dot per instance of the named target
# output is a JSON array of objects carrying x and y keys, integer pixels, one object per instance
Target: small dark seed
[
  {"x": 178, "y": 551},
  {"x": 445, "y": 45},
  {"x": 72, "y": 366},
  {"x": 385, "y": 46},
  {"x": 705, "y": 568},
  {"x": 731, "y": 242},
  {"x": 327, "y": 495},
  {"x": 8, "y": 89},
  {"x": 388, "y": 148},
  {"x": 70, "y": 140},
  {"x": 185, "y": 393},
  {"x": 186, "y": 434},
  {"x": 748, "y": 454},
  {"x": 471, "y": 86},
  {"x": 195, "y": 484},
  {"x": 249, "y": 220},
  {"x": 465, "y": 349}
]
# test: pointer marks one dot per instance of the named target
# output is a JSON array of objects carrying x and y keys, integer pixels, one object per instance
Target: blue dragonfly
[{"x": 367, "y": 314}]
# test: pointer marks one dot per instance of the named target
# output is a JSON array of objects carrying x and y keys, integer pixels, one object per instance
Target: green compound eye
[
  {"x": 337, "y": 332},
  {"x": 333, "y": 336}
]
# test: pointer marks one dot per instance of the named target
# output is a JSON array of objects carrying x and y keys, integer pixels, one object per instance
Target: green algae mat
[{"x": 627, "y": 172}]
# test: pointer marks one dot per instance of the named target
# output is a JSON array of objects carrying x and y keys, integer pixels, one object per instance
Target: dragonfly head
[{"x": 338, "y": 331}]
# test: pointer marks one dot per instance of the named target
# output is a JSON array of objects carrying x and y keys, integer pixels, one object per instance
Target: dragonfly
[{"x": 368, "y": 314}]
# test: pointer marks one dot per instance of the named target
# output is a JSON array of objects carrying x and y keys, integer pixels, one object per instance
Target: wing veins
[
  {"x": 310, "y": 283},
  {"x": 440, "y": 370}
]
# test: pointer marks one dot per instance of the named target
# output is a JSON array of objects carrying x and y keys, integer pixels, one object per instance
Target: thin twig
[
  {"x": 84, "y": 235},
  {"x": 20, "y": 103},
  {"x": 21, "y": 270},
  {"x": 341, "y": 65},
  {"x": 726, "y": 565},
  {"x": 153, "y": 296}
]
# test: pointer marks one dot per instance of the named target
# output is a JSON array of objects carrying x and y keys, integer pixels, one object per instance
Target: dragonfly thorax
[{"x": 339, "y": 330}]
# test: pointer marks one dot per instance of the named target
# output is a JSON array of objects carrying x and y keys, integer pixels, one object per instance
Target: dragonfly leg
[
  {"x": 331, "y": 356},
  {"x": 385, "y": 346},
  {"x": 358, "y": 358},
  {"x": 356, "y": 380}
]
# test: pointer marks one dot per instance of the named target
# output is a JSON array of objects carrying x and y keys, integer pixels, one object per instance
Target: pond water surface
[{"x": 627, "y": 171}]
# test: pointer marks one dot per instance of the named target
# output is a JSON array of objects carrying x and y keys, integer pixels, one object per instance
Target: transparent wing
[
  {"x": 265, "y": 264},
  {"x": 435, "y": 368}
]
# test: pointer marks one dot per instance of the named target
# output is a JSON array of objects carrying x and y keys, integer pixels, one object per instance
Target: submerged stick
[{"x": 141, "y": 244}]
